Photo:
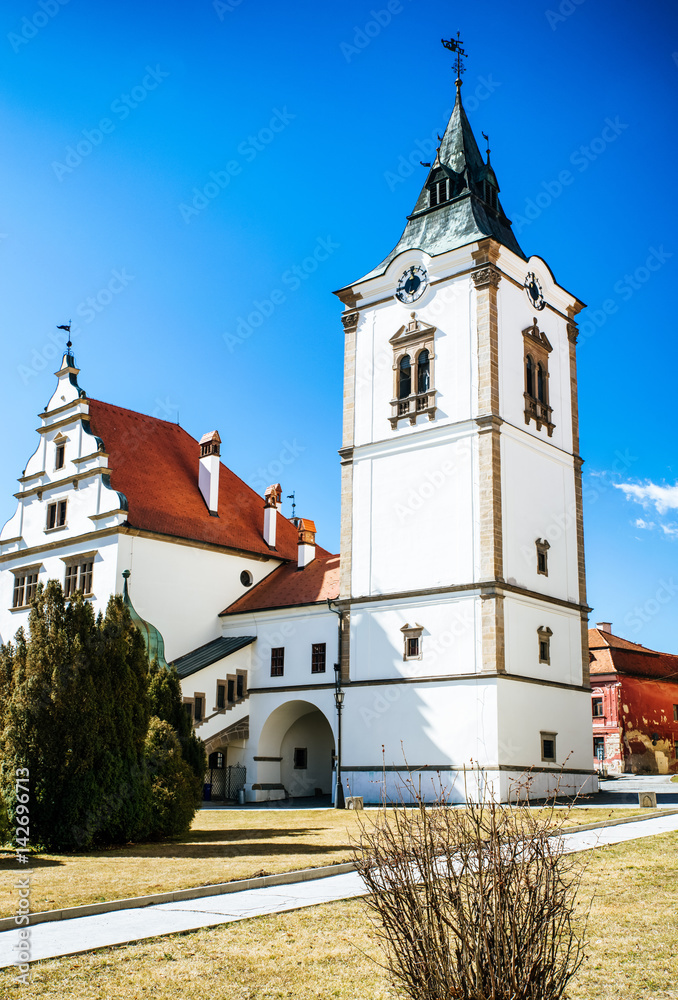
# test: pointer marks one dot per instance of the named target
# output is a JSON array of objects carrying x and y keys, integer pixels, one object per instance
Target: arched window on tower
[
  {"x": 529, "y": 376},
  {"x": 541, "y": 384},
  {"x": 405, "y": 377},
  {"x": 423, "y": 372}
]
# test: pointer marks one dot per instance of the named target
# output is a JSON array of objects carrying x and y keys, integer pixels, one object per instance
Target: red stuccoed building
[{"x": 634, "y": 704}]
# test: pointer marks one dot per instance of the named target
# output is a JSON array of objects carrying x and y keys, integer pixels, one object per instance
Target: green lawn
[{"x": 326, "y": 952}]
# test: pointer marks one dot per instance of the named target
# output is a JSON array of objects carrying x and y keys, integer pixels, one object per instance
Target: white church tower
[{"x": 462, "y": 547}]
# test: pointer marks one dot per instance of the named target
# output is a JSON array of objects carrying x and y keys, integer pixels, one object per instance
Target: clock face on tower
[
  {"x": 534, "y": 290},
  {"x": 412, "y": 284}
]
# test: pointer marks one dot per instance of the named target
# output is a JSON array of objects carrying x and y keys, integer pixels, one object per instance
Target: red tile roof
[
  {"x": 155, "y": 464},
  {"x": 288, "y": 586},
  {"x": 613, "y": 655}
]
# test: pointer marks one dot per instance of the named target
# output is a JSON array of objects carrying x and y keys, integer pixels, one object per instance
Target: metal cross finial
[
  {"x": 67, "y": 328},
  {"x": 455, "y": 45}
]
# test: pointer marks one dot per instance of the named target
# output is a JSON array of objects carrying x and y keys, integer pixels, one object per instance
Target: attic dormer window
[{"x": 439, "y": 193}]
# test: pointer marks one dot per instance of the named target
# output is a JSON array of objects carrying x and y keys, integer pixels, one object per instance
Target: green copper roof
[
  {"x": 467, "y": 217},
  {"x": 155, "y": 644}
]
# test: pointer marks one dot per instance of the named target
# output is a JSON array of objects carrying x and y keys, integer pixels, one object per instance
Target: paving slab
[{"x": 69, "y": 937}]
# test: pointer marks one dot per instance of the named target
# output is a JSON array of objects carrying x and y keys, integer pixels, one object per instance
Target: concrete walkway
[{"x": 69, "y": 937}]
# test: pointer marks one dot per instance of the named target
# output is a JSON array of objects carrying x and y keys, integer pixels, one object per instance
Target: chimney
[
  {"x": 272, "y": 498},
  {"x": 604, "y": 626},
  {"x": 208, "y": 471},
  {"x": 306, "y": 548}
]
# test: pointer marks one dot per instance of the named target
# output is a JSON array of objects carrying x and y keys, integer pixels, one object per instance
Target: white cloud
[
  {"x": 670, "y": 529},
  {"x": 639, "y": 523},
  {"x": 648, "y": 494}
]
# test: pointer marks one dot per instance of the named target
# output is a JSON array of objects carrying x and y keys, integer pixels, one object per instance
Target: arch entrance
[{"x": 296, "y": 752}]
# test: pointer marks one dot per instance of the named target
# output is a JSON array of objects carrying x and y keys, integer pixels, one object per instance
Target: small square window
[
  {"x": 599, "y": 747},
  {"x": 198, "y": 708},
  {"x": 60, "y": 456},
  {"x": 56, "y": 514},
  {"x": 542, "y": 556},
  {"x": 597, "y": 707},
  {"x": 544, "y": 633},
  {"x": 221, "y": 696},
  {"x": 278, "y": 661},
  {"x": 548, "y": 747},
  {"x": 318, "y": 657},
  {"x": 240, "y": 686},
  {"x": 413, "y": 646},
  {"x": 231, "y": 691},
  {"x": 412, "y": 636},
  {"x": 300, "y": 758}
]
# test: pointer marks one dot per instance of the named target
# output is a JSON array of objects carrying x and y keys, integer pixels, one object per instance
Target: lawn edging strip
[
  {"x": 259, "y": 882},
  {"x": 197, "y": 892}
]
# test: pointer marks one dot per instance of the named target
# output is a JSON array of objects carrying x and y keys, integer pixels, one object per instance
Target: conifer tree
[
  {"x": 164, "y": 688},
  {"x": 75, "y": 712}
]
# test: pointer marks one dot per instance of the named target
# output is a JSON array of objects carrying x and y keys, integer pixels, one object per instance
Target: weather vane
[
  {"x": 292, "y": 497},
  {"x": 487, "y": 140},
  {"x": 455, "y": 45},
  {"x": 67, "y": 328}
]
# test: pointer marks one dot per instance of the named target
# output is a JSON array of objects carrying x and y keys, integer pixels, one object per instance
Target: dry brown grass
[
  {"x": 324, "y": 952},
  {"x": 222, "y": 845}
]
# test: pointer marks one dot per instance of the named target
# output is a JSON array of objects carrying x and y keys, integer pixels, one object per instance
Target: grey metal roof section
[
  {"x": 465, "y": 219},
  {"x": 205, "y": 655}
]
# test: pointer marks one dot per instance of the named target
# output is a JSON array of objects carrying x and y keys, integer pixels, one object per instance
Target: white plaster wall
[
  {"x": 205, "y": 682},
  {"x": 515, "y": 314},
  {"x": 538, "y": 501},
  {"x": 450, "y": 641},
  {"x": 523, "y": 616},
  {"x": 444, "y": 306},
  {"x": 181, "y": 589},
  {"x": 439, "y": 723},
  {"x": 52, "y": 567},
  {"x": 296, "y": 629},
  {"x": 526, "y": 710},
  {"x": 415, "y": 511}
]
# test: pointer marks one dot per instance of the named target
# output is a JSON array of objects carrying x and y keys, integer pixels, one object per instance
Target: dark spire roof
[{"x": 468, "y": 214}]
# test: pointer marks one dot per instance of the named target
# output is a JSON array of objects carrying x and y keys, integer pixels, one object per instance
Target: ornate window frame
[
  {"x": 542, "y": 547},
  {"x": 411, "y": 340},
  {"x": 544, "y": 634},
  {"x": 412, "y": 634},
  {"x": 25, "y": 586},
  {"x": 551, "y": 738},
  {"x": 536, "y": 349}
]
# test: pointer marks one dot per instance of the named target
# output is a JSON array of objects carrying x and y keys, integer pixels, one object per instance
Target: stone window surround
[
  {"x": 24, "y": 571},
  {"x": 411, "y": 340},
  {"x": 544, "y": 634},
  {"x": 412, "y": 632},
  {"x": 542, "y": 550},
  {"x": 59, "y": 442},
  {"x": 233, "y": 678},
  {"x": 315, "y": 669},
  {"x": 56, "y": 506},
  {"x": 536, "y": 346},
  {"x": 78, "y": 559},
  {"x": 543, "y": 737},
  {"x": 198, "y": 694}
]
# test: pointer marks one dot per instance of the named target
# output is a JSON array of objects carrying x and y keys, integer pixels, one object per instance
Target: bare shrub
[{"x": 474, "y": 902}]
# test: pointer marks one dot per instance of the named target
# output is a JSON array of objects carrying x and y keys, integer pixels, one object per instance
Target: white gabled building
[{"x": 456, "y": 613}]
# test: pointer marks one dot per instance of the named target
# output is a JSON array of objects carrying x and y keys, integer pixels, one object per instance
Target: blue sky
[{"x": 188, "y": 182}]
